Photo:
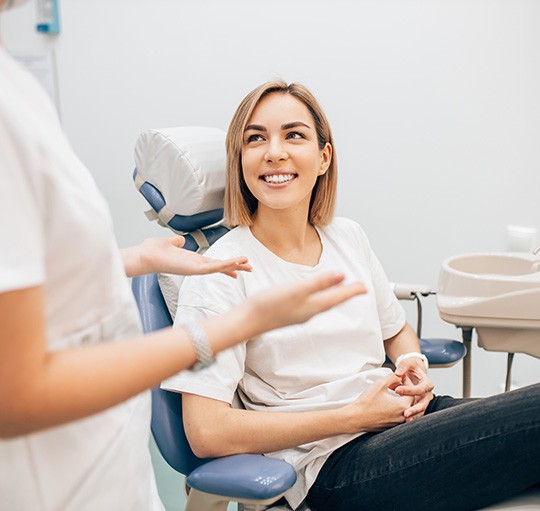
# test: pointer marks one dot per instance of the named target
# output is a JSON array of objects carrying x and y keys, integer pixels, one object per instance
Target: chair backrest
[
  {"x": 181, "y": 174},
  {"x": 167, "y": 425}
]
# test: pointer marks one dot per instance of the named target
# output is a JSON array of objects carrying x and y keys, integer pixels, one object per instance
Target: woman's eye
[
  {"x": 254, "y": 138},
  {"x": 294, "y": 135}
]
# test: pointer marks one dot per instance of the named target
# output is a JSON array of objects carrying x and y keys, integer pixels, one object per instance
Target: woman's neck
[{"x": 290, "y": 236}]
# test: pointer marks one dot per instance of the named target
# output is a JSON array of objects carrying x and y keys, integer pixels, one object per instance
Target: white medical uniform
[
  {"x": 322, "y": 364},
  {"x": 57, "y": 232}
]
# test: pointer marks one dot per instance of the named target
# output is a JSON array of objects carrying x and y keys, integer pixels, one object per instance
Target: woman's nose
[{"x": 275, "y": 151}]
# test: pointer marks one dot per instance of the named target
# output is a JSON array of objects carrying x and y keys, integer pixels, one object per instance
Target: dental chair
[
  {"x": 181, "y": 174},
  {"x": 245, "y": 478}
]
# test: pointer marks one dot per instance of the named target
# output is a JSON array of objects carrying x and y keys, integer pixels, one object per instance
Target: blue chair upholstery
[
  {"x": 242, "y": 478},
  {"x": 442, "y": 352}
]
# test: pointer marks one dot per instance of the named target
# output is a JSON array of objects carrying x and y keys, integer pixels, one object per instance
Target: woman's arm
[
  {"x": 215, "y": 429},
  {"x": 405, "y": 341},
  {"x": 166, "y": 255},
  {"x": 41, "y": 389}
]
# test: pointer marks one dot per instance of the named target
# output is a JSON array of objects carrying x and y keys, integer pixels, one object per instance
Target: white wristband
[{"x": 413, "y": 354}]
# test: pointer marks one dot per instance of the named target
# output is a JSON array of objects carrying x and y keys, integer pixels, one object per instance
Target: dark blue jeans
[{"x": 464, "y": 454}]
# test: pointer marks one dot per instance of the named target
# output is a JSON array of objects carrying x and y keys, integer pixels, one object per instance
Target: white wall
[{"x": 434, "y": 104}]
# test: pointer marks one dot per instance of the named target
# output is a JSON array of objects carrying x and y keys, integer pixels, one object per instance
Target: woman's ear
[{"x": 326, "y": 158}]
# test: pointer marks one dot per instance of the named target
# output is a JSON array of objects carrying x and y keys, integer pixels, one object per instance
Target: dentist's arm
[{"x": 40, "y": 388}]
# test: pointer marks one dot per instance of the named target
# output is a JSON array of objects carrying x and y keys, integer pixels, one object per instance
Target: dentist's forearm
[{"x": 41, "y": 389}]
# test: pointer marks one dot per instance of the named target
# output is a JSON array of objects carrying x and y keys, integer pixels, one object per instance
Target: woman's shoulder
[
  {"x": 234, "y": 242},
  {"x": 199, "y": 288},
  {"x": 344, "y": 226}
]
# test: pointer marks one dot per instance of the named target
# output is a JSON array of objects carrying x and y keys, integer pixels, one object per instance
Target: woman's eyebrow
[
  {"x": 287, "y": 126},
  {"x": 294, "y": 124},
  {"x": 256, "y": 127}
]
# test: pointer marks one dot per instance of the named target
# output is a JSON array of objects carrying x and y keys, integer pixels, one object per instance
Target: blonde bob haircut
[{"x": 240, "y": 204}]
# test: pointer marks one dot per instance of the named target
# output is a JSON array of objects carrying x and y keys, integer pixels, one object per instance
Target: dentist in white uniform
[{"x": 74, "y": 367}]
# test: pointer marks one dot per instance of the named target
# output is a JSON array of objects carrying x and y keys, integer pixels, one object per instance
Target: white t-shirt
[
  {"x": 324, "y": 363},
  {"x": 57, "y": 232}
]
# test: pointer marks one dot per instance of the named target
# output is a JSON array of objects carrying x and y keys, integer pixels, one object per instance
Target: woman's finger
[{"x": 419, "y": 408}]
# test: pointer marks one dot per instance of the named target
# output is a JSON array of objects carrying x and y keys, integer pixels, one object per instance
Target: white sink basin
[{"x": 496, "y": 293}]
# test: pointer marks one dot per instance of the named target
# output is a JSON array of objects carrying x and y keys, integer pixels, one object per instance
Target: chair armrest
[{"x": 243, "y": 476}]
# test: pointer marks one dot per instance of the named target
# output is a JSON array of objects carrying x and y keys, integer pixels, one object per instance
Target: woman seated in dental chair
[{"x": 317, "y": 395}]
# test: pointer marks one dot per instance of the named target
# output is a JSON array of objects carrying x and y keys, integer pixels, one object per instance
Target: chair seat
[
  {"x": 442, "y": 352},
  {"x": 243, "y": 476}
]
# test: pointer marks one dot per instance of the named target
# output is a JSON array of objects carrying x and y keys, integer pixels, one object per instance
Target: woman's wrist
[
  {"x": 347, "y": 419},
  {"x": 415, "y": 355}
]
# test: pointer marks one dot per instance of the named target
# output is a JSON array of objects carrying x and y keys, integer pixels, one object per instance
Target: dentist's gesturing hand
[
  {"x": 166, "y": 255},
  {"x": 299, "y": 301}
]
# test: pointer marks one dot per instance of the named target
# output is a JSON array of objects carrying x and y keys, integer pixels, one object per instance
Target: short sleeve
[
  {"x": 391, "y": 313},
  {"x": 202, "y": 297},
  {"x": 22, "y": 242}
]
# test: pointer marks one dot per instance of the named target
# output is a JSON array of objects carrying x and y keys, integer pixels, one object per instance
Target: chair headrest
[{"x": 181, "y": 173}]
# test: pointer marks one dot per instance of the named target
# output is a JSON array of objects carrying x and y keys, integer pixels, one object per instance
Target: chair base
[{"x": 198, "y": 501}]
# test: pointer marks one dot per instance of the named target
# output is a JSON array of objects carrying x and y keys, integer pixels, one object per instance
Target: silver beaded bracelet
[{"x": 199, "y": 340}]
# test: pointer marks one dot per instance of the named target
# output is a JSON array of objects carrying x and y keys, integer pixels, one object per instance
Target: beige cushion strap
[
  {"x": 151, "y": 215},
  {"x": 201, "y": 240},
  {"x": 138, "y": 180},
  {"x": 165, "y": 215}
]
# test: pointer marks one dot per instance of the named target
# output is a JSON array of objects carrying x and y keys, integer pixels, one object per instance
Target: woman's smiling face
[{"x": 281, "y": 159}]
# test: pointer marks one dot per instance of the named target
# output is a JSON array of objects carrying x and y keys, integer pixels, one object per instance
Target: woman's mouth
[{"x": 278, "y": 178}]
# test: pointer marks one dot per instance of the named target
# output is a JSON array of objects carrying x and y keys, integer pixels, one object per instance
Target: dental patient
[{"x": 316, "y": 395}]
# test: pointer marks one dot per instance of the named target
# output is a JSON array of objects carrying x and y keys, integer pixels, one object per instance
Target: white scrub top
[{"x": 56, "y": 231}]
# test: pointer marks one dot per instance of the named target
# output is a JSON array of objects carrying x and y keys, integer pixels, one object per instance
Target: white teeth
[{"x": 278, "y": 178}]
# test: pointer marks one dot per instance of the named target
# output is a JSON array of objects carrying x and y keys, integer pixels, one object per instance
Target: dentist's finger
[
  {"x": 178, "y": 241},
  {"x": 334, "y": 294}
]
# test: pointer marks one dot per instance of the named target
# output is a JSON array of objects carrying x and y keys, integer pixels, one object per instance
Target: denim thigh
[{"x": 464, "y": 454}]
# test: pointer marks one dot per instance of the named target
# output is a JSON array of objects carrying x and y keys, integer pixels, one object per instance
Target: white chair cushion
[{"x": 187, "y": 166}]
